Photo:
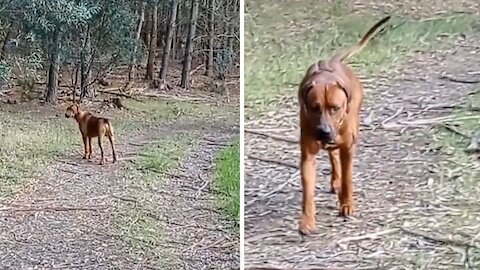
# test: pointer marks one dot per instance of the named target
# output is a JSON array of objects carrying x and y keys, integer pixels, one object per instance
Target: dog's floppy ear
[
  {"x": 348, "y": 92},
  {"x": 345, "y": 86},
  {"x": 305, "y": 88}
]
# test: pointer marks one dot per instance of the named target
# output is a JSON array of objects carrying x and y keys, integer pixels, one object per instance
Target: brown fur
[
  {"x": 90, "y": 127},
  {"x": 330, "y": 95}
]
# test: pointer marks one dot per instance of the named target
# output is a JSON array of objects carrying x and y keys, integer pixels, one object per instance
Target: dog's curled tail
[
  {"x": 108, "y": 127},
  {"x": 361, "y": 44}
]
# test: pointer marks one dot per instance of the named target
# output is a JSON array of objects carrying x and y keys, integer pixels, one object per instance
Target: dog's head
[
  {"x": 325, "y": 105},
  {"x": 72, "y": 110}
]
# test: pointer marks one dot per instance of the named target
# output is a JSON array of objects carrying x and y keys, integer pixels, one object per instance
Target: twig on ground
[
  {"x": 368, "y": 236},
  {"x": 202, "y": 187},
  {"x": 279, "y": 162},
  {"x": 452, "y": 79},
  {"x": 454, "y": 130},
  {"x": 275, "y": 190},
  {"x": 125, "y": 198},
  {"x": 51, "y": 208},
  {"x": 214, "y": 142},
  {"x": 397, "y": 113},
  {"x": 429, "y": 121},
  {"x": 439, "y": 239},
  {"x": 275, "y": 137}
]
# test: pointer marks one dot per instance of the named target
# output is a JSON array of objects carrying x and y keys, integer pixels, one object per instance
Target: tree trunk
[
  {"x": 85, "y": 71},
  {"x": 175, "y": 34},
  {"x": 168, "y": 42},
  {"x": 211, "y": 38},
  {"x": 148, "y": 26},
  {"x": 185, "y": 83},
  {"x": 52, "y": 84},
  {"x": 131, "y": 72},
  {"x": 75, "y": 84},
  {"x": 153, "y": 44},
  {"x": 231, "y": 33},
  {"x": 3, "y": 51}
]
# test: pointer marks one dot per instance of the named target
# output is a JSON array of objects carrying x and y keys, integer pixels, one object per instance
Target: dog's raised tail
[{"x": 361, "y": 44}]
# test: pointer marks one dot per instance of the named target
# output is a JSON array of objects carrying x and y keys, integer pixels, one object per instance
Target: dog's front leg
[
  {"x": 89, "y": 147},
  {"x": 347, "y": 206},
  {"x": 309, "y": 149},
  {"x": 85, "y": 147},
  {"x": 335, "y": 181}
]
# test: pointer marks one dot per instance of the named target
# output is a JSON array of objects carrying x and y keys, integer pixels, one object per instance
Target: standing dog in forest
[
  {"x": 330, "y": 98},
  {"x": 91, "y": 126}
]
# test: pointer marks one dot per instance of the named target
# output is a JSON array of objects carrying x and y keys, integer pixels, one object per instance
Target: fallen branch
[
  {"x": 117, "y": 94},
  {"x": 196, "y": 69},
  {"x": 275, "y": 161}
]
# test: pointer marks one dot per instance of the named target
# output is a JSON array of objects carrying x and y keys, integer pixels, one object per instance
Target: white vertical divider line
[{"x": 242, "y": 136}]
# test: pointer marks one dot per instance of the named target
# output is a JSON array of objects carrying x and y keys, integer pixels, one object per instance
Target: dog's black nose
[
  {"x": 66, "y": 115},
  {"x": 324, "y": 133}
]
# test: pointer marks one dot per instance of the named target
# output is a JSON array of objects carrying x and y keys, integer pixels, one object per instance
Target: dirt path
[
  {"x": 181, "y": 226},
  {"x": 415, "y": 208}
]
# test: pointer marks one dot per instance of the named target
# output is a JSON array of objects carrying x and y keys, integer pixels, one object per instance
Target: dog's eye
[{"x": 335, "y": 108}]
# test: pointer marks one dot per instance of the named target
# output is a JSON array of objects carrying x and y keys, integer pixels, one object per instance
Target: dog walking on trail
[
  {"x": 90, "y": 127},
  {"x": 330, "y": 98}
]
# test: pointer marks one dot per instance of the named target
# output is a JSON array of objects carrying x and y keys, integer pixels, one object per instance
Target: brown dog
[
  {"x": 330, "y": 97},
  {"x": 91, "y": 126}
]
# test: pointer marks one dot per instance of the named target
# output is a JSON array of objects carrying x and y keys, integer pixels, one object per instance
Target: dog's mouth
[{"x": 330, "y": 145}]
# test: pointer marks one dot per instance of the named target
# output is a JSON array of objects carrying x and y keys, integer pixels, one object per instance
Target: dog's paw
[
  {"x": 347, "y": 209},
  {"x": 84, "y": 157},
  {"x": 306, "y": 225}
]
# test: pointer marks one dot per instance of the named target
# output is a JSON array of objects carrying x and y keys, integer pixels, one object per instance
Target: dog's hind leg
[
  {"x": 102, "y": 158},
  {"x": 109, "y": 133},
  {"x": 110, "y": 138}
]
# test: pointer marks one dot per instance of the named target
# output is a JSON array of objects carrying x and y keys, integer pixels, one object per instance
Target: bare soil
[
  {"x": 68, "y": 217},
  {"x": 417, "y": 207}
]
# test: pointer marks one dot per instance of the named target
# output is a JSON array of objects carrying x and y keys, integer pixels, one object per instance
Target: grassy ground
[
  {"x": 32, "y": 140},
  {"x": 136, "y": 225},
  {"x": 279, "y": 48},
  {"x": 454, "y": 144},
  {"x": 228, "y": 179}
]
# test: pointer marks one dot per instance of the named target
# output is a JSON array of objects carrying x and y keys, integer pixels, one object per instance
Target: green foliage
[
  {"x": 45, "y": 16},
  {"x": 228, "y": 179},
  {"x": 113, "y": 27}
]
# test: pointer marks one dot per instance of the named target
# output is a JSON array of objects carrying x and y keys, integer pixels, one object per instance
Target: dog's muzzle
[
  {"x": 324, "y": 133},
  {"x": 66, "y": 115}
]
